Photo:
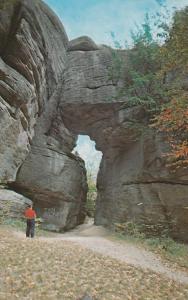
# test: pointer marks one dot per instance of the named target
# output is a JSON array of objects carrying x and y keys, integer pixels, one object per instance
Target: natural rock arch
[
  {"x": 50, "y": 91},
  {"x": 133, "y": 183}
]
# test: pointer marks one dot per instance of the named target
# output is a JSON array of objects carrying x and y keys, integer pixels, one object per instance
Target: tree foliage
[
  {"x": 155, "y": 76},
  {"x": 173, "y": 118},
  {"x": 92, "y": 191},
  {"x": 141, "y": 64},
  {"x": 175, "y": 50}
]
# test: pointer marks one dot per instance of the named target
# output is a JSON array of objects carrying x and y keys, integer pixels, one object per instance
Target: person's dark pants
[{"x": 30, "y": 230}]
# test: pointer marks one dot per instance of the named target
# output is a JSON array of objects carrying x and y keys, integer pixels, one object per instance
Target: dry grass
[
  {"x": 38, "y": 269},
  {"x": 172, "y": 253}
]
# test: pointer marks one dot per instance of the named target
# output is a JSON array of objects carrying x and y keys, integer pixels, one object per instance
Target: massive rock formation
[
  {"x": 32, "y": 49},
  {"x": 134, "y": 183},
  {"x": 52, "y": 90},
  {"x": 33, "y": 140}
]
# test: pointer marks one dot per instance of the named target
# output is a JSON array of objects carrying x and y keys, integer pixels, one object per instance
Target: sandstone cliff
[
  {"x": 34, "y": 143},
  {"x": 134, "y": 183}
]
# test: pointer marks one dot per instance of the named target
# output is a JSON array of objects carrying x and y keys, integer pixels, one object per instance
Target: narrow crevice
[
  {"x": 157, "y": 181},
  {"x": 98, "y": 87},
  {"x": 15, "y": 22}
]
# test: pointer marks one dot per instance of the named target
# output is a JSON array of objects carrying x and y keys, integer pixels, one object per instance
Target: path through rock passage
[{"x": 96, "y": 239}]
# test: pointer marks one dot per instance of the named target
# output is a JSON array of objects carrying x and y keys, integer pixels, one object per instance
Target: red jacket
[{"x": 30, "y": 213}]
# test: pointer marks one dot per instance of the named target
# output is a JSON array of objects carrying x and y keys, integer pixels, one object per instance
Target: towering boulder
[
  {"x": 32, "y": 60},
  {"x": 33, "y": 138}
]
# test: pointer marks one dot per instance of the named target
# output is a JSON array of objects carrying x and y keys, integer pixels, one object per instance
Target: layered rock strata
[
  {"x": 35, "y": 150},
  {"x": 134, "y": 183}
]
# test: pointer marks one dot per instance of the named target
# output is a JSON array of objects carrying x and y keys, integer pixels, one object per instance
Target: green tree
[
  {"x": 92, "y": 191},
  {"x": 141, "y": 63},
  {"x": 173, "y": 118},
  {"x": 154, "y": 75}
]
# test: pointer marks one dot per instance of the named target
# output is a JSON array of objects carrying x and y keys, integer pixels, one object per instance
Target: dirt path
[{"x": 96, "y": 239}]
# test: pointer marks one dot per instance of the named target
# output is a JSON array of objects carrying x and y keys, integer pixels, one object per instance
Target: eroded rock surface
[
  {"x": 33, "y": 139},
  {"x": 134, "y": 183},
  {"x": 32, "y": 50},
  {"x": 83, "y": 43},
  {"x": 12, "y": 205}
]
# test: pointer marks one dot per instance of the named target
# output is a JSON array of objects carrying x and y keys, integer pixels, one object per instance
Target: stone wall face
[
  {"x": 34, "y": 141},
  {"x": 134, "y": 186},
  {"x": 134, "y": 183},
  {"x": 32, "y": 59}
]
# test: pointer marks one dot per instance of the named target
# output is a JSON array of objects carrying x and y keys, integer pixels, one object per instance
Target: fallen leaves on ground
[{"x": 38, "y": 269}]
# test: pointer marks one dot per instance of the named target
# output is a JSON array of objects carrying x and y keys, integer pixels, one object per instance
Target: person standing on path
[{"x": 30, "y": 216}]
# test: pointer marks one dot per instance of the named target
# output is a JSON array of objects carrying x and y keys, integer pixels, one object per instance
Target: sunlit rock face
[
  {"x": 32, "y": 59},
  {"x": 52, "y": 90},
  {"x": 83, "y": 43},
  {"x": 33, "y": 47}
]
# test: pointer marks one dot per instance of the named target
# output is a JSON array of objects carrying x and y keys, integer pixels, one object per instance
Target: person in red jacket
[{"x": 30, "y": 216}]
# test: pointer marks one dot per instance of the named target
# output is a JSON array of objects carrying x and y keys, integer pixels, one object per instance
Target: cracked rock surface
[
  {"x": 35, "y": 150},
  {"x": 134, "y": 183}
]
